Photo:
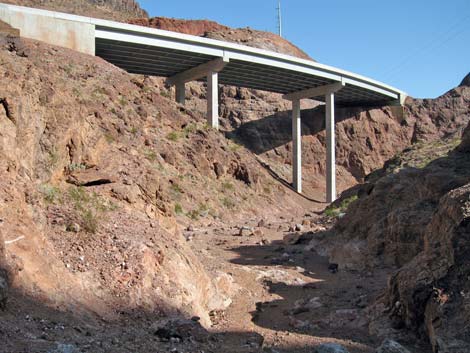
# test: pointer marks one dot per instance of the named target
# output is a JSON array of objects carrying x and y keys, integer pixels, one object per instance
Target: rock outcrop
[
  {"x": 466, "y": 81},
  {"x": 118, "y": 10},
  {"x": 413, "y": 216},
  {"x": 192, "y": 27}
]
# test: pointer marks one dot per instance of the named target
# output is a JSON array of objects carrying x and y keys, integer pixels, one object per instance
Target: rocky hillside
[
  {"x": 98, "y": 166},
  {"x": 413, "y": 216},
  {"x": 118, "y": 10}
]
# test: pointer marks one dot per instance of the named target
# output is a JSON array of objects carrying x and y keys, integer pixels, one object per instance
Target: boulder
[
  {"x": 3, "y": 291},
  {"x": 245, "y": 231},
  {"x": 65, "y": 348},
  {"x": 391, "y": 346},
  {"x": 465, "y": 81},
  {"x": 330, "y": 348},
  {"x": 89, "y": 177}
]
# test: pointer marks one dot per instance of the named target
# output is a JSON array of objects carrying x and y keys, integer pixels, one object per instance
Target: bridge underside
[
  {"x": 167, "y": 62},
  {"x": 183, "y": 58},
  {"x": 182, "y": 66}
]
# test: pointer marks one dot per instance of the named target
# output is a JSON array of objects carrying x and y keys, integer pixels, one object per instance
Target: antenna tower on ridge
[{"x": 279, "y": 18}]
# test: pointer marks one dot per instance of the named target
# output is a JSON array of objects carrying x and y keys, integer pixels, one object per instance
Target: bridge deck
[{"x": 162, "y": 53}]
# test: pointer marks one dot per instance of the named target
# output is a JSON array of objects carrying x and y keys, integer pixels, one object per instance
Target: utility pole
[{"x": 279, "y": 18}]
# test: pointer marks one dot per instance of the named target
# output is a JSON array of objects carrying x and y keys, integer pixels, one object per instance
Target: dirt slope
[{"x": 118, "y": 10}]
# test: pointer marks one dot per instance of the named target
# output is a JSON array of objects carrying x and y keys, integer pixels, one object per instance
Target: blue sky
[{"x": 419, "y": 46}]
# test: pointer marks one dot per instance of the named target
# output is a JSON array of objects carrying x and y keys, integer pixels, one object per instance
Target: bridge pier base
[
  {"x": 330, "y": 147},
  {"x": 180, "y": 89},
  {"x": 328, "y": 91},
  {"x": 296, "y": 146},
  {"x": 213, "y": 100},
  {"x": 210, "y": 70}
]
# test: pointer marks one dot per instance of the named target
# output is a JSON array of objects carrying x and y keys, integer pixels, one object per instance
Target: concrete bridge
[{"x": 184, "y": 58}]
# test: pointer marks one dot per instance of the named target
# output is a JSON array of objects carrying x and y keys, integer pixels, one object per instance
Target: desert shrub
[
  {"x": 173, "y": 136},
  {"x": 227, "y": 202},
  {"x": 50, "y": 193},
  {"x": 178, "y": 209},
  {"x": 150, "y": 155},
  {"x": 227, "y": 186},
  {"x": 336, "y": 210},
  {"x": 88, "y": 207}
]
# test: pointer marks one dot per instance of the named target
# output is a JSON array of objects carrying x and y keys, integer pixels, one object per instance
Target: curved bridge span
[{"x": 184, "y": 58}]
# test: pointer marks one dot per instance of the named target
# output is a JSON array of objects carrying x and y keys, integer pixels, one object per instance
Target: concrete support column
[
  {"x": 296, "y": 147},
  {"x": 213, "y": 99},
  {"x": 330, "y": 148},
  {"x": 180, "y": 92}
]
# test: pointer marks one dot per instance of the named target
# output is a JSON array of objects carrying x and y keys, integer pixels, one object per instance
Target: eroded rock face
[
  {"x": 415, "y": 217},
  {"x": 432, "y": 290},
  {"x": 119, "y": 10}
]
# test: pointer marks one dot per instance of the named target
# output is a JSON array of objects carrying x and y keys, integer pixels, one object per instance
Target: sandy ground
[
  {"x": 284, "y": 299},
  {"x": 286, "y": 293}
]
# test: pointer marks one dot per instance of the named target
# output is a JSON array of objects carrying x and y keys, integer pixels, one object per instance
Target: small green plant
[
  {"x": 202, "y": 211},
  {"x": 267, "y": 189},
  {"x": 227, "y": 202},
  {"x": 176, "y": 188},
  {"x": 233, "y": 146},
  {"x": 165, "y": 94},
  {"x": 50, "y": 193},
  {"x": 206, "y": 127},
  {"x": 175, "y": 191},
  {"x": 88, "y": 207},
  {"x": 194, "y": 215},
  {"x": 53, "y": 158},
  {"x": 122, "y": 101},
  {"x": 76, "y": 91},
  {"x": 90, "y": 221},
  {"x": 334, "y": 211},
  {"x": 227, "y": 186},
  {"x": 173, "y": 136},
  {"x": 76, "y": 167},
  {"x": 178, "y": 209},
  {"x": 158, "y": 166},
  {"x": 68, "y": 69},
  {"x": 189, "y": 129},
  {"x": 150, "y": 155},
  {"x": 99, "y": 91},
  {"x": 109, "y": 137},
  {"x": 134, "y": 130}
]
